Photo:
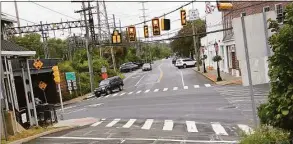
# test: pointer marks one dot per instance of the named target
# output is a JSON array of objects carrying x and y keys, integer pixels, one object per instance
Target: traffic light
[
  {"x": 183, "y": 17},
  {"x": 56, "y": 74},
  {"x": 156, "y": 26},
  {"x": 224, "y": 5},
  {"x": 116, "y": 37},
  {"x": 165, "y": 24},
  {"x": 132, "y": 33},
  {"x": 146, "y": 31}
]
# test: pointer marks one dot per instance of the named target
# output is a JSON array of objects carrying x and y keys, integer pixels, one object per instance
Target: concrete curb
[
  {"x": 205, "y": 76},
  {"x": 41, "y": 134}
]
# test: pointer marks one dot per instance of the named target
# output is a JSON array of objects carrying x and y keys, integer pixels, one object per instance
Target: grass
[{"x": 27, "y": 133}]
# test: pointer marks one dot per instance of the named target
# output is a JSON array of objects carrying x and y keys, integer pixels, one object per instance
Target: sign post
[{"x": 71, "y": 81}]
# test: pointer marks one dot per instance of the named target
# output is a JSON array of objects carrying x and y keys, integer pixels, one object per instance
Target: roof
[
  {"x": 4, "y": 17},
  {"x": 9, "y": 48}
]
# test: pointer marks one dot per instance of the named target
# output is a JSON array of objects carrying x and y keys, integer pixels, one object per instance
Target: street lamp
[
  {"x": 218, "y": 68},
  {"x": 203, "y": 60}
]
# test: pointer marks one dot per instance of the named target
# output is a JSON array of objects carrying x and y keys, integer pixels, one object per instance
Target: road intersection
[{"x": 165, "y": 105}]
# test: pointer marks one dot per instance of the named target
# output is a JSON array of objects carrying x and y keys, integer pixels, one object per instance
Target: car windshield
[
  {"x": 146, "y": 65},
  {"x": 104, "y": 82}
]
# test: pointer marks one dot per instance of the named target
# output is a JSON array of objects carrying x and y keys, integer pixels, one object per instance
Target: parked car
[
  {"x": 127, "y": 67},
  {"x": 146, "y": 67},
  {"x": 185, "y": 62},
  {"x": 108, "y": 85},
  {"x": 139, "y": 64}
]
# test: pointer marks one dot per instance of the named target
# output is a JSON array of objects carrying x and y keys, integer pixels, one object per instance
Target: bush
[
  {"x": 266, "y": 135},
  {"x": 217, "y": 58}
]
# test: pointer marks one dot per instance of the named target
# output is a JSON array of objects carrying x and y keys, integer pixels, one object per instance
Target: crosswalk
[
  {"x": 169, "y": 125},
  {"x": 156, "y": 90}
]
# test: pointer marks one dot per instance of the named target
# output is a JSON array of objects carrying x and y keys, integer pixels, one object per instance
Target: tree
[
  {"x": 184, "y": 46},
  {"x": 31, "y": 42},
  {"x": 58, "y": 48},
  {"x": 278, "y": 111}
]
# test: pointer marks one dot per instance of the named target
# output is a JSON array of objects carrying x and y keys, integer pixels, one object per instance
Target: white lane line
[
  {"x": 196, "y": 86},
  {"x": 107, "y": 96},
  {"x": 138, "y": 92},
  {"x": 168, "y": 125},
  {"x": 147, "y": 91},
  {"x": 219, "y": 129},
  {"x": 207, "y": 85},
  {"x": 245, "y": 128},
  {"x": 139, "y": 80},
  {"x": 165, "y": 89},
  {"x": 185, "y": 87},
  {"x": 129, "y": 123},
  {"x": 122, "y": 94},
  {"x": 156, "y": 90},
  {"x": 191, "y": 127},
  {"x": 140, "y": 139},
  {"x": 115, "y": 94},
  {"x": 94, "y": 105},
  {"x": 182, "y": 79},
  {"x": 175, "y": 88},
  {"x": 148, "y": 123},
  {"x": 96, "y": 124},
  {"x": 112, "y": 123},
  {"x": 130, "y": 93}
]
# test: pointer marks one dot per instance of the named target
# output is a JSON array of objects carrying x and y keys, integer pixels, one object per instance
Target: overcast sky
[{"x": 128, "y": 12}]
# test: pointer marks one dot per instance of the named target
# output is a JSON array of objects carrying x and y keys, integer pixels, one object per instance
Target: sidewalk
[
  {"x": 75, "y": 100},
  {"x": 227, "y": 78}
]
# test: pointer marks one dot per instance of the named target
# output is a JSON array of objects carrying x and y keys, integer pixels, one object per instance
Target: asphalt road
[{"x": 165, "y": 105}]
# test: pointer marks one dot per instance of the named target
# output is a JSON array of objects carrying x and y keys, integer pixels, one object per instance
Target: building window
[
  {"x": 266, "y": 9},
  {"x": 243, "y": 14},
  {"x": 279, "y": 8}
]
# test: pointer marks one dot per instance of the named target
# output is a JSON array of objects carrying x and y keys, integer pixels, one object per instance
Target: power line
[
  {"x": 53, "y": 10},
  {"x": 20, "y": 18}
]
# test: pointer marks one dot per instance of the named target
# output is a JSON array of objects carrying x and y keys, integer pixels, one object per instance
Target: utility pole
[
  {"x": 89, "y": 56},
  {"x": 112, "y": 53},
  {"x": 99, "y": 28},
  {"x": 17, "y": 14},
  {"x": 144, "y": 22},
  {"x": 1, "y": 125},
  {"x": 44, "y": 36},
  {"x": 195, "y": 43},
  {"x": 107, "y": 22}
]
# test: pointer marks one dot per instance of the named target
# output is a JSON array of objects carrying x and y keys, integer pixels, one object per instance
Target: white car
[
  {"x": 185, "y": 62},
  {"x": 146, "y": 66}
]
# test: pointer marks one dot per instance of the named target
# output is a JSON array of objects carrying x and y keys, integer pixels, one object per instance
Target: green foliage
[
  {"x": 217, "y": 58},
  {"x": 184, "y": 46},
  {"x": 31, "y": 42},
  {"x": 57, "y": 48},
  {"x": 267, "y": 135},
  {"x": 278, "y": 111}
]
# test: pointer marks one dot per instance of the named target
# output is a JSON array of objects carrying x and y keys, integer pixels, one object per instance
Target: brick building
[{"x": 244, "y": 9}]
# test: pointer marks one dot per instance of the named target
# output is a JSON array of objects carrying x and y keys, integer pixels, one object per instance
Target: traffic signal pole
[{"x": 195, "y": 43}]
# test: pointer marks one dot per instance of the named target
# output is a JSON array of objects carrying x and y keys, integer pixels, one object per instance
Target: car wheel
[
  {"x": 97, "y": 95},
  {"x": 120, "y": 88},
  {"x": 184, "y": 66},
  {"x": 108, "y": 91}
]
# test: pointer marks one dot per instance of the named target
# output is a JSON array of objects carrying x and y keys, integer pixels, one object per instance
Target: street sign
[
  {"x": 38, "y": 64},
  {"x": 70, "y": 76},
  {"x": 42, "y": 85},
  {"x": 193, "y": 14},
  {"x": 103, "y": 69}
]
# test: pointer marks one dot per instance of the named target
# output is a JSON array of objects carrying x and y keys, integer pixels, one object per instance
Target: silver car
[{"x": 146, "y": 66}]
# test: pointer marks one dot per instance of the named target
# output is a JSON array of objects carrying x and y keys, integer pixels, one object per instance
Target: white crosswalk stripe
[
  {"x": 191, "y": 127},
  {"x": 112, "y": 123},
  {"x": 196, "y": 86},
  {"x": 156, "y": 90},
  {"x": 147, "y": 91},
  {"x": 129, "y": 123},
  {"x": 138, "y": 92},
  {"x": 122, "y": 94},
  {"x": 148, "y": 123},
  {"x": 185, "y": 87},
  {"x": 165, "y": 89},
  {"x": 130, "y": 93},
  {"x": 96, "y": 124},
  {"x": 207, "y": 85},
  {"x": 245, "y": 128},
  {"x": 168, "y": 125},
  {"x": 219, "y": 129},
  {"x": 175, "y": 88}
]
